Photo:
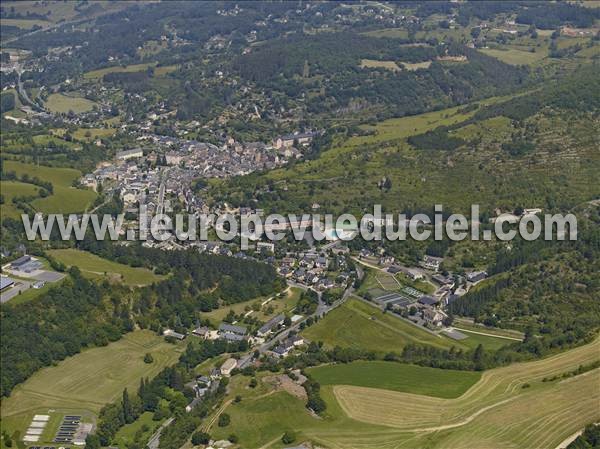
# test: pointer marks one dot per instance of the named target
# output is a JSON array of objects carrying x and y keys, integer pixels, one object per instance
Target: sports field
[
  {"x": 87, "y": 381},
  {"x": 97, "y": 267},
  {"x": 496, "y": 412},
  {"x": 397, "y": 377},
  {"x": 355, "y": 324},
  {"x": 65, "y": 198}
]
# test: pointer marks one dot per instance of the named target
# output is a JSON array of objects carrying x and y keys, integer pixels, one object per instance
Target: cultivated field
[
  {"x": 397, "y": 377},
  {"x": 87, "y": 381},
  {"x": 358, "y": 325},
  {"x": 65, "y": 199},
  {"x": 97, "y": 267}
]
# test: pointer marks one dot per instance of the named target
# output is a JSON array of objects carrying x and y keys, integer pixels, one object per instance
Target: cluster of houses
[
  {"x": 167, "y": 167},
  {"x": 311, "y": 268}
]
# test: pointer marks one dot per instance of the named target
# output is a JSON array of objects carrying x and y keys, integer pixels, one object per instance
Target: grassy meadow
[
  {"x": 96, "y": 267},
  {"x": 62, "y": 103},
  {"x": 65, "y": 199}
]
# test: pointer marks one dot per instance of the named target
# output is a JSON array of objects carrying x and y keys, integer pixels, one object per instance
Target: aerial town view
[{"x": 300, "y": 224}]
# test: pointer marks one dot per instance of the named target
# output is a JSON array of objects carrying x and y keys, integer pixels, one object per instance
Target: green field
[
  {"x": 97, "y": 267},
  {"x": 87, "y": 381},
  {"x": 264, "y": 420},
  {"x": 65, "y": 199},
  {"x": 397, "y": 377},
  {"x": 355, "y": 324},
  {"x": 62, "y": 103}
]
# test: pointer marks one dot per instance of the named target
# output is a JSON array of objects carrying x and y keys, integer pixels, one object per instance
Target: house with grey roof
[
  {"x": 233, "y": 329},
  {"x": 268, "y": 327}
]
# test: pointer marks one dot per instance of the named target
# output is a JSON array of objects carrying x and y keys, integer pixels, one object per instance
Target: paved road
[
  {"x": 155, "y": 438},
  {"x": 161, "y": 199}
]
